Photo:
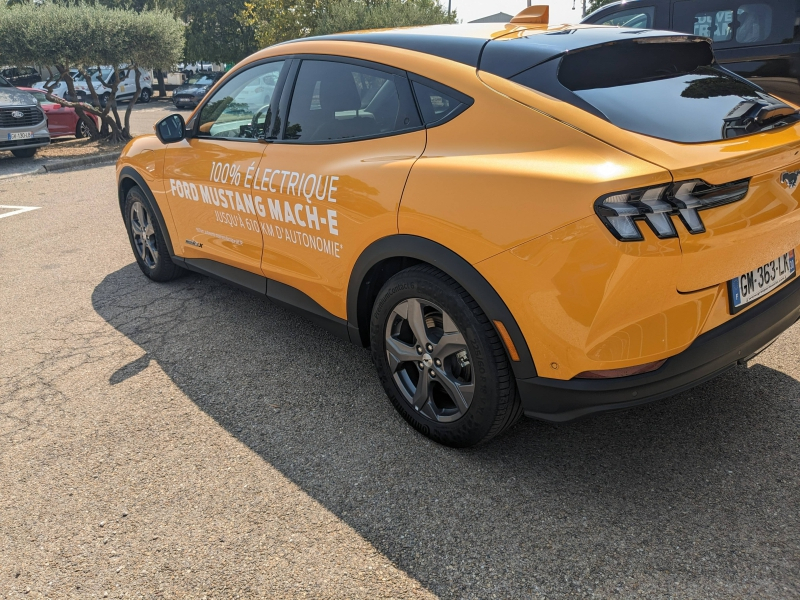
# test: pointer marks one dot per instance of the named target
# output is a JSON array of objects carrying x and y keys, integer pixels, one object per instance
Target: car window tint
[
  {"x": 434, "y": 104},
  {"x": 754, "y": 23},
  {"x": 637, "y": 18},
  {"x": 731, "y": 24},
  {"x": 240, "y": 108},
  {"x": 336, "y": 101},
  {"x": 716, "y": 25}
]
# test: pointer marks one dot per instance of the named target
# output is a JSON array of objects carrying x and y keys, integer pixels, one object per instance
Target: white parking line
[{"x": 19, "y": 210}]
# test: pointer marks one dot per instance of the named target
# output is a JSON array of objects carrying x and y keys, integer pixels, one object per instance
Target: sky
[{"x": 560, "y": 10}]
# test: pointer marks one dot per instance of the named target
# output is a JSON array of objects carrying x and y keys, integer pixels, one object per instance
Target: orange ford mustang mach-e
[{"x": 516, "y": 218}]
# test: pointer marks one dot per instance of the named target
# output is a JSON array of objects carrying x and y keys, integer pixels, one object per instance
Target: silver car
[{"x": 23, "y": 124}]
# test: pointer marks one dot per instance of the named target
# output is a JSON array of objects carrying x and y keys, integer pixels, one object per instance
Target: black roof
[{"x": 505, "y": 56}]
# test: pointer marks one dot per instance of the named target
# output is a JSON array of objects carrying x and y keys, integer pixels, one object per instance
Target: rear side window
[
  {"x": 670, "y": 90},
  {"x": 637, "y": 18},
  {"x": 731, "y": 24},
  {"x": 438, "y": 103},
  {"x": 337, "y": 102}
]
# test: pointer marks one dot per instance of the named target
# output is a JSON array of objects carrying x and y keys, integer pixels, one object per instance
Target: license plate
[
  {"x": 22, "y": 135},
  {"x": 759, "y": 282}
]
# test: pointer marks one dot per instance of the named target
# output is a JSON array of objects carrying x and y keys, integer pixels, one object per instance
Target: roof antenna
[{"x": 534, "y": 15}]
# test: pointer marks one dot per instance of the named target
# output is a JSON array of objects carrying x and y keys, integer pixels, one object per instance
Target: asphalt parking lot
[{"x": 187, "y": 440}]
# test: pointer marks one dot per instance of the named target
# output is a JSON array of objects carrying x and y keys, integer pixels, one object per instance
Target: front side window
[
  {"x": 754, "y": 23},
  {"x": 240, "y": 108},
  {"x": 715, "y": 25},
  {"x": 731, "y": 24},
  {"x": 637, "y": 18},
  {"x": 4, "y": 83},
  {"x": 336, "y": 101}
]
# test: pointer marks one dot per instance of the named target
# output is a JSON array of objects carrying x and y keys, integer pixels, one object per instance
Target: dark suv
[
  {"x": 20, "y": 76},
  {"x": 757, "y": 39}
]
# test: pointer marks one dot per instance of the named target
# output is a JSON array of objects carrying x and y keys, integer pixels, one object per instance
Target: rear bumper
[{"x": 709, "y": 355}]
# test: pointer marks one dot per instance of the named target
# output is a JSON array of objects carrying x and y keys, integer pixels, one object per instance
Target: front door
[
  {"x": 209, "y": 179},
  {"x": 333, "y": 179}
]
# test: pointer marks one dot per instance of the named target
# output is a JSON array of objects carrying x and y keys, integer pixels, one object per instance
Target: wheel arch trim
[
  {"x": 134, "y": 176},
  {"x": 418, "y": 249}
]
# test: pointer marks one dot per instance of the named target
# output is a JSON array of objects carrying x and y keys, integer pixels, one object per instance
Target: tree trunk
[
  {"x": 162, "y": 88},
  {"x": 127, "y": 129}
]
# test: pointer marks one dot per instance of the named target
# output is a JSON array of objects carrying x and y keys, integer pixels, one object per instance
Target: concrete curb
[
  {"x": 69, "y": 163},
  {"x": 95, "y": 160},
  {"x": 31, "y": 171}
]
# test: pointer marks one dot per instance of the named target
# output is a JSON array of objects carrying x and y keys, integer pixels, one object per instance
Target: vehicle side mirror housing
[{"x": 171, "y": 129}]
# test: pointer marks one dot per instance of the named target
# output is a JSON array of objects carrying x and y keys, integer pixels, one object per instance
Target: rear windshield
[{"x": 670, "y": 90}]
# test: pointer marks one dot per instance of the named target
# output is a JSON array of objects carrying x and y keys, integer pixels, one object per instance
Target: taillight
[{"x": 656, "y": 205}]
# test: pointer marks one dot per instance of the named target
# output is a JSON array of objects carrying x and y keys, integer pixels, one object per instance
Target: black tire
[
  {"x": 150, "y": 249},
  {"x": 104, "y": 99},
  {"x": 494, "y": 405},
  {"x": 81, "y": 129},
  {"x": 145, "y": 96},
  {"x": 25, "y": 152}
]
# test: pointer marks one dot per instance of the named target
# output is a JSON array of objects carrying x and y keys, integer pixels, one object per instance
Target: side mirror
[{"x": 171, "y": 129}]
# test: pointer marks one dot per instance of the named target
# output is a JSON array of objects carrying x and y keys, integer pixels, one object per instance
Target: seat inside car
[{"x": 340, "y": 106}]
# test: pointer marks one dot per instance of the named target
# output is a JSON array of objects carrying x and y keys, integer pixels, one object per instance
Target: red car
[{"x": 61, "y": 121}]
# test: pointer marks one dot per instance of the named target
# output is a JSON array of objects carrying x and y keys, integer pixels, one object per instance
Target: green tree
[
  {"x": 349, "y": 15},
  {"x": 276, "y": 21},
  {"x": 215, "y": 32},
  {"x": 83, "y": 37}
]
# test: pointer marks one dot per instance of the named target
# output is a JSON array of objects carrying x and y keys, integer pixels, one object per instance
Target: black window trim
[{"x": 194, "y": 123}]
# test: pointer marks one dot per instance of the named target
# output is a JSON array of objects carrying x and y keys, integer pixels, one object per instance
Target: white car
[
  {"x": 60, "y": 88},
  {"x": 103, "y": 80}
]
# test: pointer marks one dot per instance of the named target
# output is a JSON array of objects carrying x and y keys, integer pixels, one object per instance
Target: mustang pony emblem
[{"x": 790, "y": 178}]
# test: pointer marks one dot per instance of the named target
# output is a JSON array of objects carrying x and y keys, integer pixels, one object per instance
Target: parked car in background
[
  {"x": 193, "y": 91},
  {"x": 103, "y": 80},
  {"x": 756, "y": 39},
  {"x": 23, "y": 124},
  {"x": 59, "y": 88},
  {"x": 20, "y": 76},
  {"x": 61, "y": 120}
]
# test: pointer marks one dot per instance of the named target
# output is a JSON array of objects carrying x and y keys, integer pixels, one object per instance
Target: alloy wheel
[
  {"x": 429, "y": 360},
  {"x": 144, "y": 234},
  {"x": 83, "y": 128}
]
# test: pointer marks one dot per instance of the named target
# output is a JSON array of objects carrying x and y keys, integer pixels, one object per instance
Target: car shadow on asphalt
[{"x": 683, "y": 494}]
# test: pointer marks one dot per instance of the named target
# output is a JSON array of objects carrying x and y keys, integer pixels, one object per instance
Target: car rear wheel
[
  {"x": 440, "y": 359},
  {"x": 82, "y": 129},
  {"x": 24, "y": 153},
  {"x": 147, "y": 240},
  {"x": 144, "y": 97}
]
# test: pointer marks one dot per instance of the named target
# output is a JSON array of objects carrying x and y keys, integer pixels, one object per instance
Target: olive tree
[{"x": 84, "y": 37}]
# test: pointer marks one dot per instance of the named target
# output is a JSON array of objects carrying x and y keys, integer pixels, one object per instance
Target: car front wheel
[
  {"x": 147, "y": 240},
  {"x": 440, "y": 359}
]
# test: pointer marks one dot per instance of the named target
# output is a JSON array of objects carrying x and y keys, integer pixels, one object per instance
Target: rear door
[
  {"x": 334, "y": 176},
  {"x": 752, "y": 38}
]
